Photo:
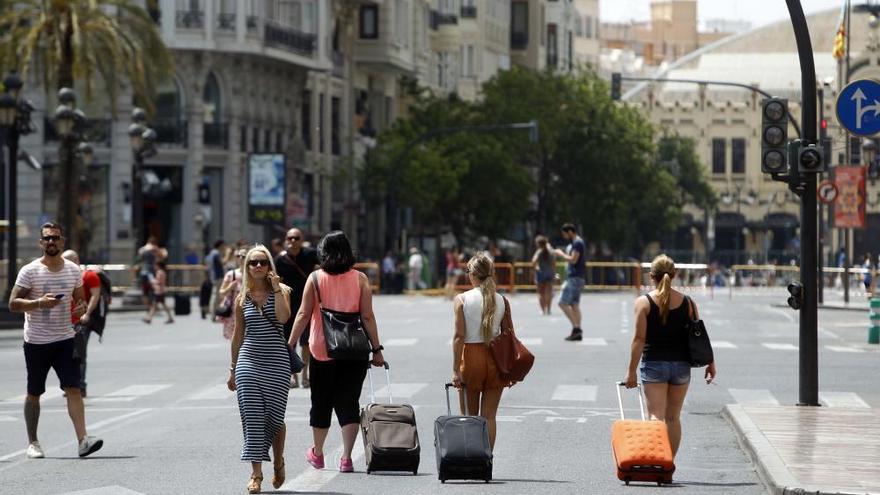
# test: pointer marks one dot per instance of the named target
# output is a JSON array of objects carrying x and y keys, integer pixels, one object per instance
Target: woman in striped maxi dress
[{"x": 260, "y": 369}]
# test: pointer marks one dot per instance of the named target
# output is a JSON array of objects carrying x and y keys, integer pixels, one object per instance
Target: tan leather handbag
[{"x": 512, "y": 358}]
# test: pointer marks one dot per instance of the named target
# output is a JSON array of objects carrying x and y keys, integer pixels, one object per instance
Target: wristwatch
[{"x": 380, "y": 348}]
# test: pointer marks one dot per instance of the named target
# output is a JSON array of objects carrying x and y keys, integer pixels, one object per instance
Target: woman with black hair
[{"x": 335, "y": 384}]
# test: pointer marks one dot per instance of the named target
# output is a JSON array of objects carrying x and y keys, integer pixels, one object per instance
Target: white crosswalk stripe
[
  {"x": 753, "y": 397},
  {"x": 843, "y": 348},
  {"x": 531, "y": 341},
  {"x": 723, "y": 344},
  {"x": 130, "y": 393},
  {"x": 214, "y": 392},
  {"x": 402, "y": 390},
  {"x": 779, "y": 346},
  {"x": 842, "y": 399},
  {"x": 51, "y": 393},
  {"x": 400, "y": 342},
  {"x": 593, "y": 341},
  {"x": 581, "y": 393}
]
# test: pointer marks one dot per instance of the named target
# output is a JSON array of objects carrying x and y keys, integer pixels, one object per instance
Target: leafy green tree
[
  {"x": 99, "y": 44},
  {"x": 679, "y": 155}
]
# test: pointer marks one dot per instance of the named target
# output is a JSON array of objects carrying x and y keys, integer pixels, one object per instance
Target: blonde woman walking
[
  {"x": 661, "y": 344},
  {"x": 260, "y": 369},
  {"x": 478, "y": 315}
]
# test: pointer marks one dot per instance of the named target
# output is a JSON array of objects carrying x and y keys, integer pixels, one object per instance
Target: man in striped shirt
[{"x": 42, "y": 292}]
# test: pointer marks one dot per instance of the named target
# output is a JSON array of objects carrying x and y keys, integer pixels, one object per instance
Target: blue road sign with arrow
[{"x": 858, "y": 107}]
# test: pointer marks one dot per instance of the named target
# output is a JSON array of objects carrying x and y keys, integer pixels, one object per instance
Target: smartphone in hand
[{"x": 58, "y": 296}]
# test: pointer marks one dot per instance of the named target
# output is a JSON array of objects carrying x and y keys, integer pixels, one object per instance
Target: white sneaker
[
  {"x": 35, "y": 451},
  {"x": 90, "y": 445}
]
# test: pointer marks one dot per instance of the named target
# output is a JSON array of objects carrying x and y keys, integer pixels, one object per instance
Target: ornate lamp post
[
  {"x": 143, "y": 145},
  {"x": 69, "y": 122},
  {"x": 15, "y": 121}
]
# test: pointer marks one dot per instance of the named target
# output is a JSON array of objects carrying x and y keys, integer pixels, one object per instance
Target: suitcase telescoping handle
[
  {"x": 620, "y": 385},
  {"x": 387, "y": 378},
  {"x": 448, "y": 406}
]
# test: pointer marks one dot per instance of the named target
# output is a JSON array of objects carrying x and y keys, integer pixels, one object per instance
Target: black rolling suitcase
[
  {"x": 181, "y": 304},
  {"x": 462, "y": 446},
  {"x": 391, "y": 439}
]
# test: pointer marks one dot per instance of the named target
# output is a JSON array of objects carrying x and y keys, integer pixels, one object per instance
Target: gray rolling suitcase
[
  {"x": 391, "y": 439},
  {"x": 462, "y": 446}
]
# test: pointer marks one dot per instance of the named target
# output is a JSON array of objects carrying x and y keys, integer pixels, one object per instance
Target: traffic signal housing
[
  {"x": 797, "y": 295},
  {"x": 615, "y": 86},
  {"x": 811, "y": 159},
  {"x": 774, "y": 135}
]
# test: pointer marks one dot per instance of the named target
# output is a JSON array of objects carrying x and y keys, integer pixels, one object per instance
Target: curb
[
  {"x": 771, "y": 469},
  {"x": 831, "y": 307}
]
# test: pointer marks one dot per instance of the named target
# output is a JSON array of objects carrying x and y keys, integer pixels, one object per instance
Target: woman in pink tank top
[{"x": 335, "y": 384}]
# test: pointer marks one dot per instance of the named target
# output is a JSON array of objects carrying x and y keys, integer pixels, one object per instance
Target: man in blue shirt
[{"x": 576, "y": 256}]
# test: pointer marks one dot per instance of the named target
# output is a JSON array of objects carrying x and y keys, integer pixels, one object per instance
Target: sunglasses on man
[
  {"x": 51, "y": 238},
  {"x": 293, "y": 238}
]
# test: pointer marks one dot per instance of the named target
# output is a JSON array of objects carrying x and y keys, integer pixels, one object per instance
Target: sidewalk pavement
[{"x": 811, "y": 450}]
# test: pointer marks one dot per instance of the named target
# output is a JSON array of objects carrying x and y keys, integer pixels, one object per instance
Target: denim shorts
[
  {"x": 671, "y": 372},
  {"x": 571, "y": 291}
]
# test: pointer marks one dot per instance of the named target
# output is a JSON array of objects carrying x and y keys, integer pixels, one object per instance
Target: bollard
[{"x": 874, "y": 329}]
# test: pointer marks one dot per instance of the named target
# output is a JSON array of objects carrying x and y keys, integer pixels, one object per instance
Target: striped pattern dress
[{"x": 262, "y": 380}]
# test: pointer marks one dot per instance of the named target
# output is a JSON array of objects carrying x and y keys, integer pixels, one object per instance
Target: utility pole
[{"x": 808, "y": 363}]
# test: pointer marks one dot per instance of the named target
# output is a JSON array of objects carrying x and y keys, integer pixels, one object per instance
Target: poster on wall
[
  {"x": 849, "y": 210},
  {"x": 266, "y": 188}
]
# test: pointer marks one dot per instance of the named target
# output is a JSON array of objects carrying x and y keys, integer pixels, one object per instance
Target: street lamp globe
[
  {"x": 64, "y": 120},
  {"x": 67, "y": 97},
  {"x": 86, "y": 152},
  {"x": 13, "y": 83},
  {"x": 7, "y": 110},
  {"x": 138, "y": 115},
  {"x": 136, "y": 135}
]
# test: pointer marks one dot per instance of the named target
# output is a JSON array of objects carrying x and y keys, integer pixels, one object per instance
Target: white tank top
[{"x": 473, "y": 315}]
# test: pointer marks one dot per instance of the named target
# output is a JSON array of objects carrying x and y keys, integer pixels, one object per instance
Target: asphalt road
[{"x": 157, "y": 397}]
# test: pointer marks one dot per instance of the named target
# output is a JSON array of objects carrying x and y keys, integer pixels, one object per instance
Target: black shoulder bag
[
  {"x": 344, "y": 332},
  {"x": 296, "y": 363},
  {"x": 698, "y": 339}
]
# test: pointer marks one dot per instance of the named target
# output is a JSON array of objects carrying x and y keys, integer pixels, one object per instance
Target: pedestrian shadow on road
[
  {"x": 685, "y": 484},
  {"x": 503, "y": 481},
  {"x": 93, "y": 458}
]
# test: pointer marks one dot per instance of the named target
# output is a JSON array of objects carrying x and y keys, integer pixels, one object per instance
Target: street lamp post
[
  {"x": 143, "y": 141},
  {"x": 69, "y": 122}
]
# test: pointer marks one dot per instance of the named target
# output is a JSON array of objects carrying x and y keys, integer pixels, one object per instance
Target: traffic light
[
  {"x": 615, "y": 86},
  {"x": 774, "y": 135},
  {"x": 810, "y": 159},
  {"x": 797, "y": 295}
]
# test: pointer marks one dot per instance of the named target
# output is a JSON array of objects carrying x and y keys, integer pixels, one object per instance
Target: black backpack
[{"x": 99, "y": 320}]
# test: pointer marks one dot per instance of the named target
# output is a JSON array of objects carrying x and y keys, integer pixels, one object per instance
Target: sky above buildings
[{"x": 757, "y": 12}]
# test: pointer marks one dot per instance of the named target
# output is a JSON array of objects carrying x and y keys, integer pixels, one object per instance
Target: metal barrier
[{"x": 505, "y": 275}]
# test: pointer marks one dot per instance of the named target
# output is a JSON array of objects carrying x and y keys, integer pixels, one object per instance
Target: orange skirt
[{"x": 478, "y": 370}]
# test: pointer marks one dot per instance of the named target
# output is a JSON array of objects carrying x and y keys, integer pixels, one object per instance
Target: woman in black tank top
[{"x": 660, "y": 344}]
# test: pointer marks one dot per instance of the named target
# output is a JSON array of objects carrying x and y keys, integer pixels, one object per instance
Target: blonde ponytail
[
  {"x": 487, "y": 322},
  {"x": 664, "y": 289},
  {"x": 662, "y": 272}
]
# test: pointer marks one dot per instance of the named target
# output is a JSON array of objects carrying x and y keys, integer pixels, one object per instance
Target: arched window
[
  {"x": 212, "y": 100},
  {"x": 170, "y": 123}
]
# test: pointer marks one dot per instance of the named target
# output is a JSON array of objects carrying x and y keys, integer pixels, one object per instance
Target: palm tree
[{"x": 97, "y": 44}]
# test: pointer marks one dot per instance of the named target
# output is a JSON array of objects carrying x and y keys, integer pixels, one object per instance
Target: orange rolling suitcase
[{"x": 641, "y": 448}]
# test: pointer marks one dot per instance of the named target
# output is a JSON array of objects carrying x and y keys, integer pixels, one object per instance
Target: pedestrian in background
[
  {"x": 389, "y": 271},
  {"x": 453, "y": 258},
  {"x": 336, "y": 384},
  {"x": 294, "y": 266},
  {"x": 160, "y": 292},
  {"x": 868, "y": 280},
  {"x": 277, "y": 246},
  {"x": 147, "y": 257},
  {"x": 661, "y": 343},
  {"x": 415, "y": 264},
  {"x": 260, "y": 369},
  {"x": 42, "y": 291},
  {"x": 544, "y": 261},
  {"x": 84, "y": 325},
  {"x": 229, "y": 290},
  {"x": 214, "y": 265},
  {"x": 478, "y": 314},
  {"x": 576, "y": 272}
]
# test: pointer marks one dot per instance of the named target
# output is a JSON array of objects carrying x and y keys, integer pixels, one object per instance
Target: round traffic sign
[
  {"x": 827, "y": 192},
  {"x": 858, "y": 107}
]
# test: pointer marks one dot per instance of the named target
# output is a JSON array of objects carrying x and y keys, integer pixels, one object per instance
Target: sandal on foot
[
  {"x": 254, "y": 484},
  {"x": 305, "y": 382},
  {"x": 280, "y": 476}
]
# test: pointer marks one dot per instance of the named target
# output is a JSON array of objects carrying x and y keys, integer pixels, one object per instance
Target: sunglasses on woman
[{"x": 256, "y": 263}]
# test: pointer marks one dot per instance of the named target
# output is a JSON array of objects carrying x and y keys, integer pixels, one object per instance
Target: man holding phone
[{"x": 41, "y": 292}]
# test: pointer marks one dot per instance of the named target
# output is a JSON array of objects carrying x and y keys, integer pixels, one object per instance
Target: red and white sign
[
  {"x": 827, "y": 192},
  {"x": 849, "y": 211}
]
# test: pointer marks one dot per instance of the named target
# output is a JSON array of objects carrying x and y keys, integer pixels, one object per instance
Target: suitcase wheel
[
  {"x": 442, "y": 481},
  {"x": 626, "y": 480},
  {"x": 415, "y": 472}
]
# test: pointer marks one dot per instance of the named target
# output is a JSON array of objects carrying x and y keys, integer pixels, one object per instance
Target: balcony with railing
[
  {"x": 216, "y": 135},
  {"x": 280, "y": 36},
  {"x": 438, "y": 19},
  {"x": 171, "y": 132},
  {"x": 468, "y": 11},
  {"x": 190, "y": 19},
  {"x": 226, "y": 21},
  {"x": 519, "y": 40}
]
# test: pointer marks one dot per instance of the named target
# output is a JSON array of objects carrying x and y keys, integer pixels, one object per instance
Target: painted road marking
[
  {"x": 531, "y": 341},
  {"x": 105, "y": 490},
  {"x": 843, "y": 399},
  {"x": 406, "y": 390},
  {"x": 723, "y": 344},
  {"x": 583, "y": 393},
  {"x": 130, "y": 393},
  {"x": 843, "y": 348},
  {"x": 780, "y": 347},
  {"x": 51, "y": 393},
  {"x": 400, "y": 342},
  {"x": 312, "y": 480},
  {"x": 753, "y": 397},
  {"x": 593, "y": 341},
  {"x": 214, "y": 392}
]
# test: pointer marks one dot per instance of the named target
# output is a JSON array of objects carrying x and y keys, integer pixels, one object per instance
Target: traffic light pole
[{"x": 808, "y": 366}]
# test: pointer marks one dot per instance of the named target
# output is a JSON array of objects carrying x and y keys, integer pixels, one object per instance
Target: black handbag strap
[
  {"x": 691, "y": 313},
  {"x": 314, "y": 278}
]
